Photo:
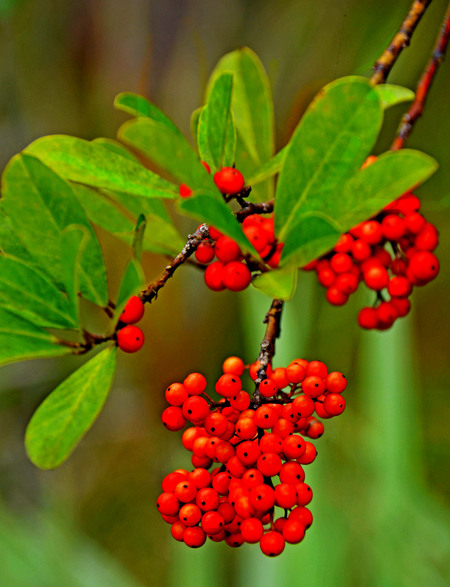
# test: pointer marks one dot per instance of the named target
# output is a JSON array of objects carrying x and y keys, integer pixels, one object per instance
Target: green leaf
[
  {"x": 97, "y": 166},
  {"x": 116, "y": 213},
  {"x": 40, "y": 205},
  {"x": 139, "y": 106},
  {"x": 74, "y": 240},
  {"x": 278, "y": 283},
  {"x": 268, "y": 169},
  {"x": 195, "y": 119},
  {"x": 115, "y": 147},
  {"x": 33, "y": 296},
  {"x": 252, "y": 110},
  {"x": 168, "y": 148},
  {"x": 138, "y": 238},
  {"x": 204, "y": 206},
  {"x": 133, "y": 281},
  {"x": 328, "y": 146},
  {"x": 390, "y": 95},
  {"x": 361, "y": 197},
  {"x": 390, "y": 176},
  {"x": 10, "y": 241},
  {"x": 216, "y": 132},
  {"x": 69, "y": 411},
  {"x": 21, "y": 339}
]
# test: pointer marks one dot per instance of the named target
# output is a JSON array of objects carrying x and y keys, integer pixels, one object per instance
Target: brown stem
[
  {"x": 423, "y": 87},
  {"x": 400, "y": 41},
  {"x": 151, "y": 291},
  {"x": 251, "y": 208},
  {"x": 89, "y": 342},
  {"x": 272, "y": 319}
]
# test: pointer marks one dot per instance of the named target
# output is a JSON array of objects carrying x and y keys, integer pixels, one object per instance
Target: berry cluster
[
  {"x": 253, "y": 441},
  {"x": 130, "y": 338},
  {"x": 230, "y": 270},
  {"x": 362, "y": 255}
]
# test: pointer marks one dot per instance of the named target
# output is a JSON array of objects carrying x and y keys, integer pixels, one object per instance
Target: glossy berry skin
[
  {"x": 272, "y": 544},
  {"x": 229, "y": 180},
  {"x": 236, "y": 276},
  {"x": 133, "y": 311},
  {"x": 130, "y": 338}
]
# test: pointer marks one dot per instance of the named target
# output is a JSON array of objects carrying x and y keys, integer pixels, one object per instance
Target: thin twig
[
  {"x": 424, "y": 85},
  {"x": 400, "y": 41},
  {"x": 192, "y": 243},
  {"x": 272, "y": 319},
  {"x": 254, "y": 208}
]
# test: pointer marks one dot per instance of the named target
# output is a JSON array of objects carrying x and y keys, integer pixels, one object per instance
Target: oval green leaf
[
  {"x": 95, "y": 165},
  {"x": 69, "y": 411},
  {"x": 21, "y": 339},
  {"x": 278, "y": 283},
  {"x": 33, "y": 295},
  {"x": 40, "y": 205}
]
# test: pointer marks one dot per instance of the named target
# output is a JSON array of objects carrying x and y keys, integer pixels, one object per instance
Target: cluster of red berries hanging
[
  {"x": 130, "y": 338},
  {"x": 363, "y": 255},
  {"x": 230, "y": 270},
  {"x": 252, "y": 441}
]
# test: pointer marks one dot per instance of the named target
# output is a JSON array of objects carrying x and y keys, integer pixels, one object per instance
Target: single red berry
[
  {"x": 371, "y": 232},
  {"x": 272, "y": 544},
  {"x": 428, "y": 238},
  {"x": 204, "y": 253},
  {"x": 229, "y": 180},
  {"x": 130, "y": 338},
  {"x": 212, "y": 522},
  {"x": 257, "y": 236},
  {"x": 336, "y": 297},
  {"x": 195, "y": 408},
  {"x": 195, "y": 383},
  {"x": 334, "y": 404},
  {"x": 341, "y": 263},
  {"x": 173, "y": 419},
  {"x": 268, "y": 388},
  {"x": 214, "y": 276},
  {"x": 394, "y": 227},
  {"x": 344, "y": 243},
  {"x": 376, "y": 278},
  {"x": 368, "y": 318},
  {"x": 304, "y": 493},
  {"x": 176, "y": 394},
  {"x": 313, "y": 386},
  {"x": 185, "y": 191},
  {"x": 190, "y": 514},
  {"x": 252, "y": 530},
  {"x": 326, "y": 277},
  {"x": 133, "y": 310},
  {"x": 168, "y": 504},
  {"x": 227, "y": 385},
  {"x": 233, "y": 365},
  {"x": 347, "y": 283},
  {"x": 399, "y": 286},
  {"x": 227, "y": 249},
  {"x": 361, "y": 250},
  {"x": 194, "y": 537},
  {"x": 293, "y": 531},
  {"x": 236, "y": 276},
  {"x": 335, "y": 382},
  {"x": 424, "y": 266}
]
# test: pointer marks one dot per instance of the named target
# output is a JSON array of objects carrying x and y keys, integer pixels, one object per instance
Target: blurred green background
[{"x": 381, "y": 483}]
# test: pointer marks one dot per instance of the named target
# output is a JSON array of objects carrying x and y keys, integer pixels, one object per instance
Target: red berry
[
  {"x": 393, "y": 226},
  {"x": 195, "y": 383},
  {"x": 272, "y": 544},
  {"x": 233, "y": 365},
  {"x": 227, "y": 249},
  {"x": 368, "y": 318},
  {"x": 336, "y": 297},
  {"x": 214, "y": 276},
  {"x": 133, "y": 310},
  {"x": 173, "y": 419},
  {"x": 376, "y": 278},
  {"x": 204, "y": 253},
  {"x": 229, "y": 180},
  {"x": 236, "y": 276},
  {"x": 185, "y": 191},
  {"x": 424, "y": 266},
  {"x": 130, "y": 338}
]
